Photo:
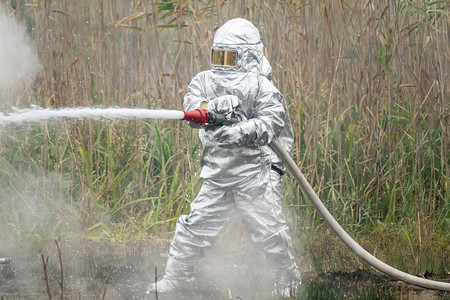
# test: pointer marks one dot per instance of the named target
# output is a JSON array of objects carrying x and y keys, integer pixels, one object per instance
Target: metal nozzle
[{"x": 223, "y": 119}]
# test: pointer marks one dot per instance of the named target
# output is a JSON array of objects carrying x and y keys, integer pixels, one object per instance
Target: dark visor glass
[{"x": 224, "y": 58}]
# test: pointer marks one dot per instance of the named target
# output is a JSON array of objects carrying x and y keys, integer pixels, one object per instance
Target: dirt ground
[
  {"x": 231, "y": 272},
  {"x": 231, "y": 269}
]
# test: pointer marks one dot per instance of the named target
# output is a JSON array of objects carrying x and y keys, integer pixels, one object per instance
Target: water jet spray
[{"x": 37, "y": 114}]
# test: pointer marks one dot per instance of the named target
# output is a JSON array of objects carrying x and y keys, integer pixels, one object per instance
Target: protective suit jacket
[{"x": 261, "y": 105}]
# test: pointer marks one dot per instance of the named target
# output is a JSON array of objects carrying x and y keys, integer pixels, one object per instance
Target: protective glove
[
  {"x": 236, "y": 135},
  {"x": 223, "y": 104}
]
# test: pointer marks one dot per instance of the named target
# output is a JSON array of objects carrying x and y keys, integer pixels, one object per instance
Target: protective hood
[
  {"x": 242, "y": 37},
  {"x": 241, "y": 70}
]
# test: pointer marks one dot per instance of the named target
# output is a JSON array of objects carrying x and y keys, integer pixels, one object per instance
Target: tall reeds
[{"x": 365, "y": 82}]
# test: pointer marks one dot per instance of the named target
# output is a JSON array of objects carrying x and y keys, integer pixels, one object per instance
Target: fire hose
[
  {"x": 203, "y": 117},
  {"x": 347, "y": 239}
]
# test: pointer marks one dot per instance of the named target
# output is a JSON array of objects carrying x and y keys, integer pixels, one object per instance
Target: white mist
[{"x": 19, "y": 63}]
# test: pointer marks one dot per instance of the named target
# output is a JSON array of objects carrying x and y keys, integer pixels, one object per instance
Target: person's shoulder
[
  {"x": 265, "y": 85},
  {"x": 205, "y": 73},
  {"x": 201, "y": 76}
]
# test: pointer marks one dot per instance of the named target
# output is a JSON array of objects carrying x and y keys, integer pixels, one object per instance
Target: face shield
[{"x": 224, "y": 58}]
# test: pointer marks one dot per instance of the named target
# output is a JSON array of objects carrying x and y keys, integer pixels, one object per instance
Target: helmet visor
[{"x": 223, "y": 58}]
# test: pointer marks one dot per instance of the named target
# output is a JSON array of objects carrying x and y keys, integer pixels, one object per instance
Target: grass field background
[{"x": 366, "y": 83}]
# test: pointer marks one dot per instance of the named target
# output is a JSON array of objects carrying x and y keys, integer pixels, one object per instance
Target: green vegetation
[{"x": 365, "y": 82}]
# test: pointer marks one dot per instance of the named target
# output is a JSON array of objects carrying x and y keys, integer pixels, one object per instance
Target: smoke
[
  {"x": 234, "y": 265},
  {"x": 18, "y": 59},
  {"x": 33, "y": 215}
]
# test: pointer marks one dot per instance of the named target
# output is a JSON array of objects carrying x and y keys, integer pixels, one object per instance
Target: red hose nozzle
[{"x": 198, "y": 116}]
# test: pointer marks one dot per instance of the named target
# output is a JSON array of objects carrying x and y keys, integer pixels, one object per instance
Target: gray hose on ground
[{"x": 361, "y": 252}]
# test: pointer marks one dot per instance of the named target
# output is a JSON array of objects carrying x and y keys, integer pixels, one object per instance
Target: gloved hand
[
  {"x": 223, "y": 104},
  {"x": 236, "y": 135}
]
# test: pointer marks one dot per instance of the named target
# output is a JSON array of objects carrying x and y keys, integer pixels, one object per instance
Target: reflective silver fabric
[
  {"x": 260, "y": 103},
  {"x": 236, "y": 161},
  {"x": 256, "y": 199},
  {"x": 178, "y": 275}
]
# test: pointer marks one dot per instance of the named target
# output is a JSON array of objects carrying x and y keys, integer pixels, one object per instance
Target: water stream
[{"x": 38, "y": 114}]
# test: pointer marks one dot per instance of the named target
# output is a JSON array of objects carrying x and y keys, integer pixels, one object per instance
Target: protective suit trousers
[{"x": 258, "y": 201}]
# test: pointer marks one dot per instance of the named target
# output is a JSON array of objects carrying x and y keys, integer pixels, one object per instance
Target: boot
[
  {"x": 178, "y": 275},
  {"x": 168, "y": 285},
  {"x": 287, "y": 282}
]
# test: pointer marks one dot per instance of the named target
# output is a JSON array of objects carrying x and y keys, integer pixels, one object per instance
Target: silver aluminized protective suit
[{"x": 236, "y": 161}]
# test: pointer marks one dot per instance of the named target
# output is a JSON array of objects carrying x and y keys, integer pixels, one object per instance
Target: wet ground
[
  {"x": 131, "y": 284},
  {"x": 232, "y": 269},
  {"x": 228, "y": 274}
]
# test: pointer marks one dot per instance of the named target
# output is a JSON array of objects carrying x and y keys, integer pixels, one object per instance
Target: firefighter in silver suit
[{"x": 241, "y": 173}]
